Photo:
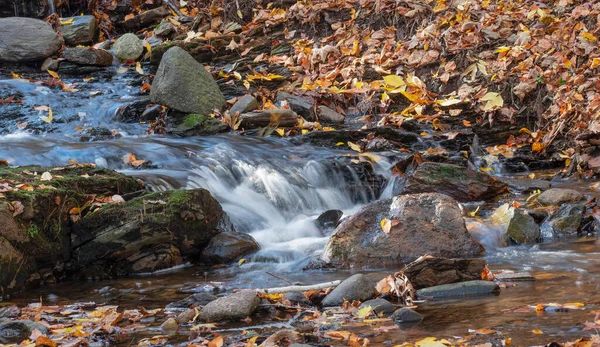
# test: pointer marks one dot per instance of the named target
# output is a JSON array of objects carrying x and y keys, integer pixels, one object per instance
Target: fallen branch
[{"x": 289, "y": 289}]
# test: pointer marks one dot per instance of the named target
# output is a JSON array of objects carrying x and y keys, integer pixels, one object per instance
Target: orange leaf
[
  {"x": 44, "y": 341},
  {"x": 217, "y": 342}
]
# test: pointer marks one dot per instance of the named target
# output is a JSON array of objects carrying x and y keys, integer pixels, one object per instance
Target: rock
[
  {"x": 385, "y": 138},
  {"x": 165, "y": 28},
  {"x": 228, "y": 247},
  {"x": 27, "y": 39},
  {"x": 379, "y": 306},
  {"x": 298, "y": 104},
  {"x": 357, "y": 287},
  {"x": 246, "y": 103},
  {"x": 198, "y": 125},
  {"x": 194, "y": 300},
  {"x": 128, "y": 48},
  {"x": 460, "y": 183},
  {"x": 406, "y": 315},
  {"x": 514, "y": 276},
  {"x": 263, "y": 118},
  {"x": 327, "y": 115},
  {"x": 429, "y": 223},
  {"x": 81, "y": 31},
  {"x": 132, "y": 113},
  {"x": 9, "y": 312},
  {"x": 49, "y": 64},
  {"x": 433, "y": 271},
  {"x": 17, "y": 331},
  {"x": 232, "y": 307},
  {"x": 559, "y": 196},
  {"x": 145, "y": 18},
  {"x": 516, "y": 225},
  {"x": 329, "y": 219},
  {"x": 169, "y": 326},
  {"x": 88, "y": 56},
  {"x": 566, "y": 220},
  {"x": 151, "y": 113},
  {"x": 297, "y": 298},
  {"x": 175, "y": 225},
  {"x": 459, "y": 289},
  {"x": 186, "y": 316},
  {"x": 183, "y": 84}
]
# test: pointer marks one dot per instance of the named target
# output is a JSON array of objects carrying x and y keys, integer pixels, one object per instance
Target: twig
[
  {"x": 174, "y": 8},
  {"x": 279, "y": 277},
  {"x": 299, "y": 288}
]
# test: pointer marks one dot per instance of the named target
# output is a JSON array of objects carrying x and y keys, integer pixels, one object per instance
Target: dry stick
[
  {"x": 279, "y": 277},
  {"x": 299, "y": 288}
]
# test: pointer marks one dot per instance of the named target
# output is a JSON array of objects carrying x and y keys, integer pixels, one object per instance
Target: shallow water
[{"x": 273, "y": 190}]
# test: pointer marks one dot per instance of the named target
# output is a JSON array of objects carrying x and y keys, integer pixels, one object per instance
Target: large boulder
[
  {"x": 128, "y": 47},
  {"x": 232, "y": 307},
  {"x": 516, "y": 225},
  {"x": 27, "y": 39},
  {"x": 80, "y": 30},
  {"x": 559, "y": 196},
  {"x": 461, "y": 183},
  {"x": 357, "y": 287},
  {"x": 433, "y": 271},
  {"x": 149, "y": 233},
  {"x": 227, "y": 247},
  {"x": 183, "y": 84},
  {"x": 88, "y": 56},
  {"x": 428, "y": 223}
]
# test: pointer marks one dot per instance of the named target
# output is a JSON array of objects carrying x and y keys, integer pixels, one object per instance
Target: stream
[{"x": 274, "y": 189}]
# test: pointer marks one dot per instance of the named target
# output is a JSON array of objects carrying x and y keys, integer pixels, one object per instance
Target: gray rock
[
  {"x": 327, "y": 115},
  {"x": 128, "y": 47},
  {"x": 406, "y": 315},
  {"x": 49, "y": 64},
  {"x": 181, "y": 83},
  {"x": 357, "y": 287},
  {"x": 27, "y": 39},
  {"x": 459, "y": 289},
  {"x": 186, "y": 316},
  {"x": 566, "y": 220},
  {"x": 19, "y": 330},
  {"x": 232, "y": 307},
  {"x": 297, "y": 298},
  {"x": 429, "y": 223},
  {"x": 559, "y": 196},
  {"x": 194, "y": 300},
  {"x": 298, "y": 104},
  {"x": 169, "y": 326},
  {"x": 88, "y": 56},
  {"x": 132, "y": 113},
  {"x": 146, "y": 18},
  {"x": 151, "y": 113},
  {"x": 246, "y": 103},
  {"x": 227, "y": 247},
  {"x": 263, "y": 118},
  {"x": 516, "y": 225},
  {"x": 165, "y": 28},
  {"x": 378, "y": 306},
  {"x": 81, "y": 31},
  {"x": 9, "y": 312},
  {"x": 329, "y": 219}
]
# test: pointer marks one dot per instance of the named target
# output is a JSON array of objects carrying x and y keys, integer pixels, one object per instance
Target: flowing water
[{"x": 274, "y": 189}]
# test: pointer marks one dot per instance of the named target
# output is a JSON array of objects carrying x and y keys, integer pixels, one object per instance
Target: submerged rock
[
  {"x": 232, "y": 307},
  {"x": 181, "y": 83},
  {"x": 460, "y": 183},
  {"x": 565, "y": 220},
  {"x": 227, "y": 247},
  {"x": 459, "y": 289},
  {"x": 82, "y": 30},
  {"x": 198, "y": 125},
  {"x": 406, "y": 315},
  {"x": 149, "y": 233},
  {"x": 433, "y": 271},
  {"x": 559, "y": 196},
  {"x": 128, "y": 48},
  {"x": 428, "y": 223},
  {"x": 516, "y": 225},
  {"x": 357, "y": 287},
  {"x": 27, "y": 39}
]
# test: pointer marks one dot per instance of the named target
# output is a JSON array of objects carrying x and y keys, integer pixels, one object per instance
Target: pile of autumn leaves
[{"x": 438, "y": 59}]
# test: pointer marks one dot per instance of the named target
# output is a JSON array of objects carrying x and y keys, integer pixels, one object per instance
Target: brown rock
[{"x": 433, "y": 271}]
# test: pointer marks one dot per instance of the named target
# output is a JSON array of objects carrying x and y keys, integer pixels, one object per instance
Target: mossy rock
[{"x": 199, "y": 125}]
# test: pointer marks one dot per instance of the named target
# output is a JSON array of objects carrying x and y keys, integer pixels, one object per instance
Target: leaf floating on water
[
  {"x": 241, "y": 261},
  {"x": 122, "y": 70},
  {"x": 354, "y": 147},
  {"x": 537, "y": 332},
  {"x": 432, "y": 342},
  {"x": 138, "y": 68},
  {"x": 49, "y": 118}
]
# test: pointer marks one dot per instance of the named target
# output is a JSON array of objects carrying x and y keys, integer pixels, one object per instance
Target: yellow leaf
[
  {"x": 66, "y": 22},
  {"x": 386, "y": 225},
  {"x": 241, "y": 261},
  {"x": 595, "y": 63},
  {"x": 374, "y": 157},
  {"x": 122, "y": 70},
  {"x": 14, "y": 75},
  {"x": 49, "y": 118},
  {"x": 364, "y": 312},
  {"x": 433, "y": 342},
  {"x": 394, "y": 81},
  {"x": 280, "y": 131},
  {"x": 354, "y": 147},
  {"x": 537, "y": 146},
  {"x": 252, "y": 342},
  {"x": 53, "y": 74},
  {"x": 148, "y": 47},
  {"x": 502, "y": 49},
  {"x": 239, "y": 13},
  {"x": 448, "y": 102},
  {"x": 474, "y": 213},
  {"x": 493, "y": 101},
  {"x": 138, "y": 68},
  {"x": 304, "y": 131},
  {"x": 588, "y": 36},
  {"x": 339, "y": 144},
  {"x": 537, "y": 331}
]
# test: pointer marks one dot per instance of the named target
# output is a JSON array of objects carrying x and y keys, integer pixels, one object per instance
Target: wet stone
[
  {"x": 186, "y": 316},
  {"x": 195, "y": 300},
  {"x": 232, "y": 307},
  {"x": 81, "y": 31},
  {"x": 298, "y": 104},
  {"x": 128, "y": 47},
  {"x": 246, "y": 103},
  {"x": 327, "y": 115},
  {"x": 88, "y": 56},
  {"x": 358, "y": 287},
  {"x": 297, "y": 298},
  {"x": 329, "y": 219},
  {"x": 169, "y": 326},
  {"x": 459, "y": 289},
  {"x": 406, "y": 315},
  {"x": 379, "y": 306},
  {"x": 566, "y": 220},
  {"x": 559, "y": 196},
  {"x": 19, "y": 330}
]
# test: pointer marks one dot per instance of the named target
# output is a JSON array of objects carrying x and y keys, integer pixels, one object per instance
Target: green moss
[
  {"x": 193, "y": 120},
  {"x": 33, "y": 230}
]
